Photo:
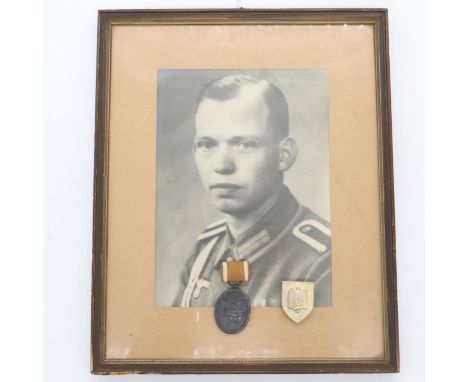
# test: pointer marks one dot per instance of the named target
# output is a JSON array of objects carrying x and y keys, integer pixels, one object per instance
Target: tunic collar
[{"x": 268, "y": 228}]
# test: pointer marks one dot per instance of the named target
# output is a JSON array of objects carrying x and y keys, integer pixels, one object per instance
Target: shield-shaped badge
[{"x": 297, "y": 299}]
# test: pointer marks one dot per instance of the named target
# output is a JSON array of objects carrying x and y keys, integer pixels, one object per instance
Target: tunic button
[{"x": 196, "y": 293}]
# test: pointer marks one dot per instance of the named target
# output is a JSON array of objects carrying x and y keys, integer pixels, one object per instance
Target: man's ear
[{"x": 287, "y": 153}]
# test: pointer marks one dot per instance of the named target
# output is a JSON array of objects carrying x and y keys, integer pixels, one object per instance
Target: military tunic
[{"x": 289, "y": 243}]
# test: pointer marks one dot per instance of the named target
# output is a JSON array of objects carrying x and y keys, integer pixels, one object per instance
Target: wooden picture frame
[{"x": 130, "y": 334}]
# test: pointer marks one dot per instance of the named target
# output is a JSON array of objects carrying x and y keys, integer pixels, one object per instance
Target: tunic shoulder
[
  {"x": 314, "y": 231},
  {"x": 212, "y": 230}
]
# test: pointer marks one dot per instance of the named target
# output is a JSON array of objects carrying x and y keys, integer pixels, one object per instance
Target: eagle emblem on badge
[{"x": 297, "y": 299}]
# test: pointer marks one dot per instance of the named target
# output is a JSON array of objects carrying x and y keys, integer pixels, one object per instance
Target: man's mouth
[{"x": 225, "y": 186}]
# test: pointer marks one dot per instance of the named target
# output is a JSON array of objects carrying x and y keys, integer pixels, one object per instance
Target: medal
[
  {"x": 232, "y": 308},
  {"x": 297, "y": 299}
]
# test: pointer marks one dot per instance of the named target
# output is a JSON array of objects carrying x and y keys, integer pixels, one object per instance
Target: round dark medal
[{"x": 232, "y": 310}]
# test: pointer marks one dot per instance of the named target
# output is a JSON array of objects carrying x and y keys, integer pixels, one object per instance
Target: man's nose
[{"x": 223, "y": 161}]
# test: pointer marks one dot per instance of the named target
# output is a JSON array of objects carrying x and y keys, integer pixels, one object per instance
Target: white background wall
[{"x": 70, "y": 48}]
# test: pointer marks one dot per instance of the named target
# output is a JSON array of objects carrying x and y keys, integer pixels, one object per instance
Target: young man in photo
[{"x": 242, "y": 149}]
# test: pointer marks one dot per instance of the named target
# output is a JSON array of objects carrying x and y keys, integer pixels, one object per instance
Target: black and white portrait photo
[{"x": 242, "y": 173}]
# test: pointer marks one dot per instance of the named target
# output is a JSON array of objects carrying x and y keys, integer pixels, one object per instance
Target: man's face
[{"x": 236, "y": 153}]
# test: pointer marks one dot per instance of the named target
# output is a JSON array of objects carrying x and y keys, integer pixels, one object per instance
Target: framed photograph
[{"x": 243, "y": 200}]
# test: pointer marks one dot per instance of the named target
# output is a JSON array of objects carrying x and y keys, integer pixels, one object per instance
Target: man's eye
[
  {"x": 206, "y": 145},
  {"x": 246, "y": 146}
]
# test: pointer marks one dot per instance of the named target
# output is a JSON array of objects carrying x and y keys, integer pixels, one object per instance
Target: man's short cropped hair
[{"x": 228, "y": 87}]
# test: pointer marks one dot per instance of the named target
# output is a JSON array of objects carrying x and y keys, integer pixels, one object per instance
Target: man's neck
[{"x": 238, "y": 224}]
